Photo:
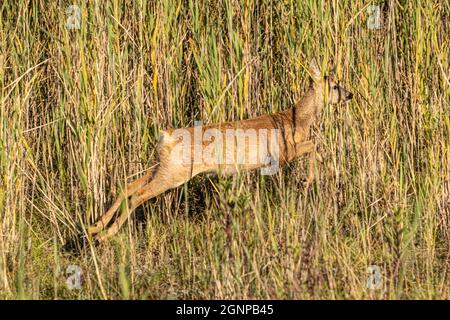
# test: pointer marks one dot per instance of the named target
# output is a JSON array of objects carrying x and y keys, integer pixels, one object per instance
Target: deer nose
[{"x": 350, "y": 96}]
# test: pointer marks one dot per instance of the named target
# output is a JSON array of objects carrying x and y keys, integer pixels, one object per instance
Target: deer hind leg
[
  {"x": 161, "y": 182},
  {"x": 129, "y": 190},
  {"x": 165, "y": 145}
]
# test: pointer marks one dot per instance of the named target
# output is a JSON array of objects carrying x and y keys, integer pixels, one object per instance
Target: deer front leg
[
  {"x": 313, "y": 156},
  {"x": 310, "y": 148}
]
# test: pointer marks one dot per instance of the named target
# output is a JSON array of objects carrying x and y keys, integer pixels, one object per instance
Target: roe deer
[{"x": 289, "y": 141}]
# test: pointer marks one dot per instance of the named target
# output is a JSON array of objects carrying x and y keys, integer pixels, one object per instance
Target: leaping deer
[{"x": 182, "y": 156}]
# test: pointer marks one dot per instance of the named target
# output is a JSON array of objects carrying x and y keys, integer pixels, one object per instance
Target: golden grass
[{"x": 81, "y": 111}]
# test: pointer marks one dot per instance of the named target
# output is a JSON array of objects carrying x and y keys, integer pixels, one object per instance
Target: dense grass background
[{"x": 81, "y": 111}]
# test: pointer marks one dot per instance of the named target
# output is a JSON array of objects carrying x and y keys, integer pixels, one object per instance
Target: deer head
[{"x": 326, "y": 90}]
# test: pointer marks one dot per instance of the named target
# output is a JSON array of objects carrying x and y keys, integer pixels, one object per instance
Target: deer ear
[{"x": 314, "y": 70}]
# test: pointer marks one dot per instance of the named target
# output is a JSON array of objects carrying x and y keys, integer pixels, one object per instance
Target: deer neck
[{"x": 307, "y": 108}]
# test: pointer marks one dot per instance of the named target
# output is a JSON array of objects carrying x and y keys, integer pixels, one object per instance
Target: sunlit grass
[{"x": 81, "y": 111}]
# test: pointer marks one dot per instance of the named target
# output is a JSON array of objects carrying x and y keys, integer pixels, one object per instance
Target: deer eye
[{"x": 335, "y": 87}]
